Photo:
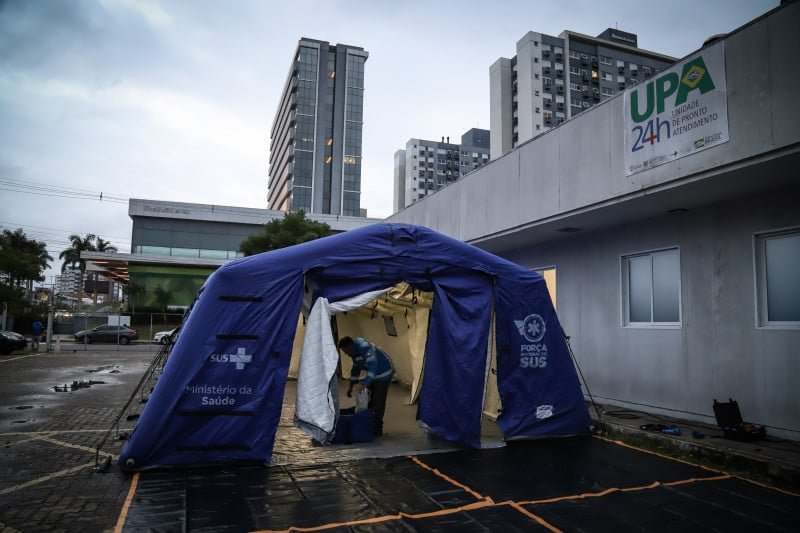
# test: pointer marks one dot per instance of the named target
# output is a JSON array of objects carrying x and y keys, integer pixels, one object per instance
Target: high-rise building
[
  {"x": 69, "y": 281},
  {"x": 427, "y": 166},
  {"x": 554, "y": 78},
  {"x": 315, "y": 148}
]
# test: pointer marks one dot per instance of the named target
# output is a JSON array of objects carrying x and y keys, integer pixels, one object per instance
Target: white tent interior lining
[{"x": 395, "y": 319}]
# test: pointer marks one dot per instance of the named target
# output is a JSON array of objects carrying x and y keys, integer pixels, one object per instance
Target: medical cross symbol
[{"x": 240, "y": 358}]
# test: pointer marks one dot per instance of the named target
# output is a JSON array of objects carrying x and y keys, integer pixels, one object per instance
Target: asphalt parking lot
[{"x": 400, "y": 483}]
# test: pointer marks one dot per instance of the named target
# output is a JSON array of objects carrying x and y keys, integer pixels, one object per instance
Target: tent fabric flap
[{"x": 317, "y": 404}]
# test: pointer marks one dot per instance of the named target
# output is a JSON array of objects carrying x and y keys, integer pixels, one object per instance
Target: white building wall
[
  {"x": 500, "y": 137},
  {"x": 717, "y": 352},
  {"x": 399, "y": 180},
  {"x": 573, "y": 176}
]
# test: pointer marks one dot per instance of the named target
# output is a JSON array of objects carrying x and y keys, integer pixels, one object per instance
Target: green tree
[
  {"x": 293, "y": 229},
  {"x": 22, "y": 261},
  {"x": 132, "y": 290},
  {"x": 72, "y": 256},
  {"x": 162, "y": 297}
]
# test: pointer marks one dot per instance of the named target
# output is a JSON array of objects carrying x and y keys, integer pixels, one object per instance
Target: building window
[
  {"x": 778, "y": 278},
  {"x": 652, "y": 288}
]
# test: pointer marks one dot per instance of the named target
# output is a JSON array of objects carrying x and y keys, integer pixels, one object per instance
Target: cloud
[{"x": 148, "y": 10}]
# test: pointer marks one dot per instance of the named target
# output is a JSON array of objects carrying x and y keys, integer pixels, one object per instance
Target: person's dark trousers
[{"x": 378, "y": 391}]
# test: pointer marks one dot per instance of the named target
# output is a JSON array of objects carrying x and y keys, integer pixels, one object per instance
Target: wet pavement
[{"x": 404, "y": 481}]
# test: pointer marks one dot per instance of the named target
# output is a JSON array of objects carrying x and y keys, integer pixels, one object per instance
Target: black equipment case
[{"x": 729, "y": 419}]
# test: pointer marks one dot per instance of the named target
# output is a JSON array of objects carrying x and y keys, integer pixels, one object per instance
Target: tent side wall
[{"x": 219, "y": 398}]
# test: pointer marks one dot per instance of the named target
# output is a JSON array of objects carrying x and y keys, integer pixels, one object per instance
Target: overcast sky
[{"x": 174, "y": 100}]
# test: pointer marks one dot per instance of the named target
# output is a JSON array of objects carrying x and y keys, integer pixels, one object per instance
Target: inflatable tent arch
[{"x": 219, "y": 398}]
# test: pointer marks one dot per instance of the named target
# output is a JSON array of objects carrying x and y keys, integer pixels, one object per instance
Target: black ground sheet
[{"x": 578, "y": 484}]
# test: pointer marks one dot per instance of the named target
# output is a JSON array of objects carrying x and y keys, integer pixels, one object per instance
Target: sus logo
[
  {"x": 240, "y": 358},
  {"x": 544, "y": 411},
  {"x": 532, "y": 328}
]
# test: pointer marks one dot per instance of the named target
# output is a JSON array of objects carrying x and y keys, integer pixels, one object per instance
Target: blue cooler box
[{"x": 353, "y": 427}]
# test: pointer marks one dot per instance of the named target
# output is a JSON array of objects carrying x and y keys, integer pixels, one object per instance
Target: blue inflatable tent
[{"x": 219, "y": 398}]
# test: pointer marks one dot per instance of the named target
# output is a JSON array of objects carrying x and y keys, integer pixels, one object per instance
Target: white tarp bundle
[{"x": 317, "y": 407}]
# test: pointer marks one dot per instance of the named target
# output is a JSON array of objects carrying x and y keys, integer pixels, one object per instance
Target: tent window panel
[
  {"x": 549, "y": 275},
  {"x": 388, "y": 322}
]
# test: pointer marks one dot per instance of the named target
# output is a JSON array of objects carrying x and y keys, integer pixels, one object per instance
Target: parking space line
[
  {"x": 42, "y": 479},
  {"x": 51, "y": 440},
  {"x": 18, "y": 357},
  {"x": 123, "y": 514},
  {"x": 57, "y": 431}
]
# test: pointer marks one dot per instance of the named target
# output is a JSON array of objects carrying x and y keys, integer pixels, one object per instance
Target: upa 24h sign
[{"x": 681, "y": 111}]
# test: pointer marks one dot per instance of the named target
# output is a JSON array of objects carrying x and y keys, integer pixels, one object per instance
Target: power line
[
  {"x": 61, "y": 231},
  {"x": 43, "y": 189}
]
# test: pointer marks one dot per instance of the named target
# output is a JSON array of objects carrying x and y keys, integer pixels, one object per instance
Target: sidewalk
[{"x": 771, "y": 460}]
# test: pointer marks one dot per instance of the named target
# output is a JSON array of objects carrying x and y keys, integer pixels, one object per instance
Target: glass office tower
[{"x": 315, "y": 149}]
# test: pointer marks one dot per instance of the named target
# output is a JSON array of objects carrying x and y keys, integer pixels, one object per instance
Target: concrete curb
[{"x": 770, "y": 470}]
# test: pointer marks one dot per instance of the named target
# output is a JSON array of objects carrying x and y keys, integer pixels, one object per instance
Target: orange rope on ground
[
  {"x": 758, "y": 483},
  {"x": 385, "y": 518},
  {"x": 653, "y": 485},
  {"x": 632, "y": 447},
  {"x": 123, "y": 514},
  {"x": 449, "y": 479},
  {"x": 693, "y": 479},
  {"x": 532, "y": 516}
]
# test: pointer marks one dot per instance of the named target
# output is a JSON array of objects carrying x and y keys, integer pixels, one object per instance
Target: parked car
[
  {"x": 165, "y": 337},
  {"x": 107, "y": 333},
  {"x": 10, "y": 341}
]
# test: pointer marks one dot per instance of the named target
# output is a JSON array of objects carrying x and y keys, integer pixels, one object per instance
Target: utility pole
[{"x": 50, "y": 317}]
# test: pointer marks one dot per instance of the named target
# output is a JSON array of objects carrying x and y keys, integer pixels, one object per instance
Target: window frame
[
  {"x": 625, "y": 320},
  {"x": 760, "y": 279}
]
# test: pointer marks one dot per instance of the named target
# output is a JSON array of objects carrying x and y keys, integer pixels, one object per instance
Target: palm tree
[
  {"x": 31, "y": 258},
  {"x": 72, "y": 255},
  {"x": 101, "y": 246}
]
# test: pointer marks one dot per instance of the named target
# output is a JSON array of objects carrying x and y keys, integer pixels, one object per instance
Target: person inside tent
[{"x": 368, "y": 357}]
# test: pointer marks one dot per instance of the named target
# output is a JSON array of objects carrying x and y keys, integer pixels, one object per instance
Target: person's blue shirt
[
  {"x": 37, "y": 328},
  {"x": 367, "y": 356}
]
